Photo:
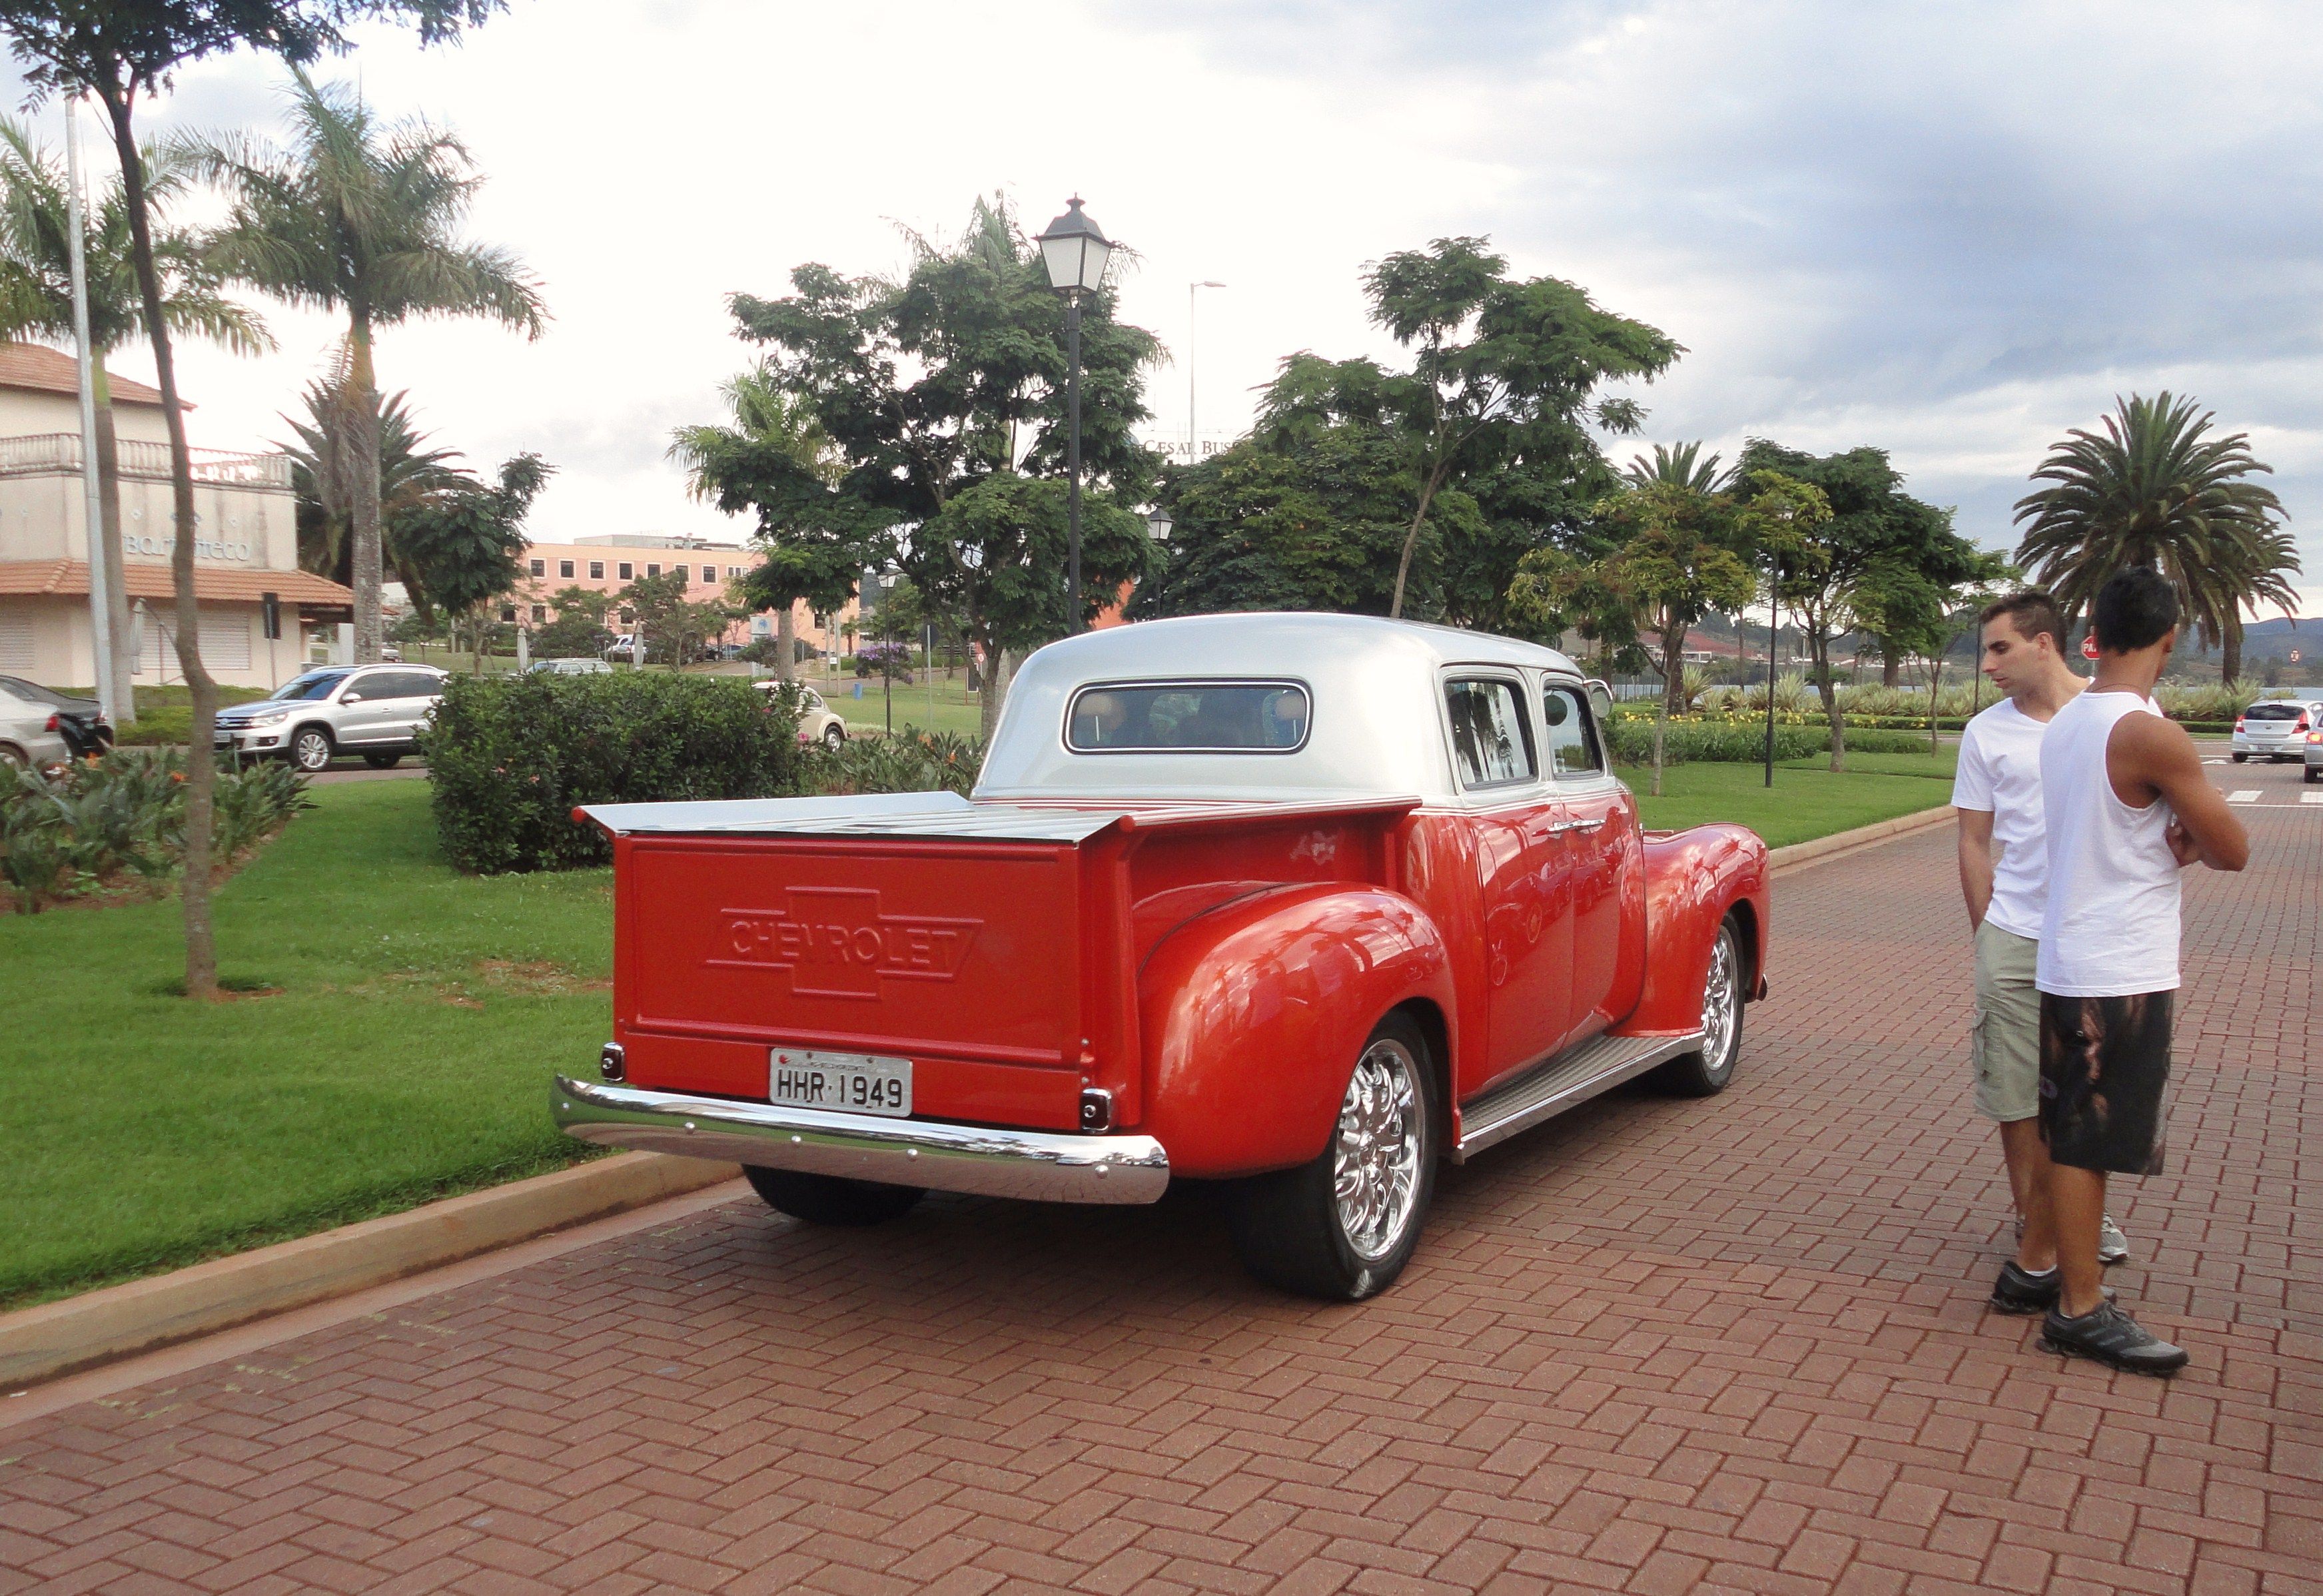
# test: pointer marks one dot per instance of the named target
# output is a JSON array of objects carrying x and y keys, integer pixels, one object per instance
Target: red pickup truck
[{"x": 1306, "y": 902}]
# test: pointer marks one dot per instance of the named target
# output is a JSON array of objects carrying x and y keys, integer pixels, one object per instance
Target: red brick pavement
[{"x": 1657, "y": 1346}]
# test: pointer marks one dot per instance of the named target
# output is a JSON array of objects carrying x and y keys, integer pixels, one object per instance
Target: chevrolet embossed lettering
[{"x": 836, "y": 943}]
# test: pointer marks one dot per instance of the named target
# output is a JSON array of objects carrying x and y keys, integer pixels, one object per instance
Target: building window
[
  {"x": 627, "y": 569},
  {"x": 564, "y": 569},
  {"x": 629, "y": 617},
  {"x": 540, "y": 567},
  {"x": 507, "y": 613},
  {"x": 539, "y": 614},
  {"x": 596, "y": 570},
  {"x": 653, "y": 570},
  {"x": 680, "y": 572}
]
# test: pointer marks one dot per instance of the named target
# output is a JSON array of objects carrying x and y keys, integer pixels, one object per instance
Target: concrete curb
[
  {"x": 39, "y": 1343},
  {"x": 1782, "y": 859}
]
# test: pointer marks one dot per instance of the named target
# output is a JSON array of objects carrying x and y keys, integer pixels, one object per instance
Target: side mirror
[
  {"x": 1601, "y": 699},
  {"x": 351, "y": 698}
]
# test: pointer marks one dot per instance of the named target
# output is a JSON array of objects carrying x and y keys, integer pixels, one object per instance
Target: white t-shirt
[{"x": 2000, "y": 775}]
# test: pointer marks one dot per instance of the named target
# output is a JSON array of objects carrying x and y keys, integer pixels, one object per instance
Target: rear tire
[
  {"x": 2241, "y": 758},
  {"x": 1341, "y": 1225},
  {"x": 1706, "y": 1073},
  {"x": 381, "y": 761},
  {"x": 2313, "y": 774},
  {"x": 830, "y": 1199}
]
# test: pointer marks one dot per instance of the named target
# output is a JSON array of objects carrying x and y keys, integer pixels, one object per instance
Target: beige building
[
  {"x": 245, "y": 558},
  {"x": 607, "y": 564}
]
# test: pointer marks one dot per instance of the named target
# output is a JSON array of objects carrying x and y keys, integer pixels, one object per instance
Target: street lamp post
[{"x": 1074, "y": 249}]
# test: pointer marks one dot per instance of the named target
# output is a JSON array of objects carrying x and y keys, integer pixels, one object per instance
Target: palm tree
[
  {"x": 774, "y": 447},
  {"x": 2156, "y": 490},
  {"x": 361, "y": 218},
  {"x": 1680, "y": 465},
  {"x": 36, "y": 300}
]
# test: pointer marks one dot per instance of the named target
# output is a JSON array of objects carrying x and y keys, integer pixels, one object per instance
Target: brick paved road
[{"x": 1660, "y": 1346}]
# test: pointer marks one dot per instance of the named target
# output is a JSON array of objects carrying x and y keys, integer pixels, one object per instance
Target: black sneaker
[
  {"x": 2111, "y": 1336},
  {"x": 2020, "y": 1291}
]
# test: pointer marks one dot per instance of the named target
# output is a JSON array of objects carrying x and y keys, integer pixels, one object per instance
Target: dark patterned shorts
[{"x": 2105, "y": 1073}]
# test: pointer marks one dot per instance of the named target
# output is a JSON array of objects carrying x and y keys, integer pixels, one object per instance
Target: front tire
[
  {"x": 381, "y": 761},
  {"x": 830, "y": 1199},
  {"x": 1706, "y": 1073},
  {"x": 311, "y": 749},
  {"x": 1341, "y": 1225},
  {"x": 834, "y": 739}
]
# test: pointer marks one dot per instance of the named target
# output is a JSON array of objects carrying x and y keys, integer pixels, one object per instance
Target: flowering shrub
[{"x": 911, "y": 761}]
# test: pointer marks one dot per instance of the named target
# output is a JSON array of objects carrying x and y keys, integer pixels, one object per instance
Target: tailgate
[{"x": 964, "y": 957}]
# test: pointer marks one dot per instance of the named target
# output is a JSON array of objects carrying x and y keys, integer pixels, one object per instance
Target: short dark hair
[
  {"x": 2133, "y": 610},
  {"x": 2031, "y": 611}
]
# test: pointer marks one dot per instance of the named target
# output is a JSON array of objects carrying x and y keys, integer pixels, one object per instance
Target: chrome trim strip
[
  {"x": 1044, "y": 1165},
  {"x": 1644, "y": 1053}
]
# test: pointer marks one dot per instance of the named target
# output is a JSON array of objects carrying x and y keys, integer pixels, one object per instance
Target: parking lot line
[{"x": 2247, "y": 796}]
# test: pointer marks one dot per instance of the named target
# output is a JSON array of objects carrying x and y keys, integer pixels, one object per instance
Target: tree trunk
[
  {"x": 1891, "y": 669},
  {"x": 1935, "y": 681},
  {"x": 365, "y": 439},
  {"x": 787, "y": 643},
  {"x": 2230, "y": 645},
  {"x": 996, "y": 677},
  {"x": 1661, "y": 720},
  {"x": 1819, "y": 651},
  {"x": 201, "y": 765},
  {"x": 109, "y": 542},
  {"x": 1673, "y": 671},
  {"x": 1411, "y": 542}
]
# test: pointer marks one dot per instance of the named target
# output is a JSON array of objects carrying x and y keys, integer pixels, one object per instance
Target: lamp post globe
[
  {"x": 1158, "y": 523},
  {"x": 1074, "y": 249}
]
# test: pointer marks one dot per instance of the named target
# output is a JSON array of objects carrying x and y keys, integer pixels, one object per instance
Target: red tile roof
[
  {"x": 147, "y": 581},
  {"x": 42, "y": 370}
]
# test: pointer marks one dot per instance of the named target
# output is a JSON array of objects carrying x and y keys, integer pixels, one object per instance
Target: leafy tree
[
  {"x": 775, "y": 461},
  {"x": 324, "y": 476},
  {"x": 677, "y": 629},
  {"x": 118, "y": 50},
  {"x": 944, "y": 396},
  {"x": 1880, "y": 551},
  {"x": 2157, "y": 490},
  {"x": 362, "y": 219},
  {"x": 1502, "y": 373},
  {"x": 36, "y": 301},
  {"x": 467, "y": 543},
  {"x": 579, "y": 628}
]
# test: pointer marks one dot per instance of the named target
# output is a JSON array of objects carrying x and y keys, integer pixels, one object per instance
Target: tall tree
[
  {"x": 774, "y": 461},
  {"x": 119, "y": 49},
  {"x": 36, "y": 301},
  {"x": 324, "y": 478},
  {"x": 361, "y": 218},
  {"x": 1854, "y": 572},
  {"x": 944, "y": 394},
  {"x": 2157, "y": 490},
  {"x": 1500, "y": 369}
]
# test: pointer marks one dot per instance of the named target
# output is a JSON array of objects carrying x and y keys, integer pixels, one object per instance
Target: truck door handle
[{"x": 1595, "y": 825}]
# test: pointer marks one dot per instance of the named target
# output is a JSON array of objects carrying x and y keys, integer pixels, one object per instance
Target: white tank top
[{"x": 2111, "y": 924}]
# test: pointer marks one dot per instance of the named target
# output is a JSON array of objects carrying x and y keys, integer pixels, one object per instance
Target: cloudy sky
[{"x": 1950, "y": 230}]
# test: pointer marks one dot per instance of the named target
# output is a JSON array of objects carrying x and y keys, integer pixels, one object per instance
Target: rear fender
[
  {"x": 1254, "y": 1014},
  {"x": 1694, "y": 879}
]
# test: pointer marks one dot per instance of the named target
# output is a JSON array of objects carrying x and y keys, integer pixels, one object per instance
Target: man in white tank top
[
  {"x": 2004, "y": 871},
  {"x": 2126, "y": 807}
]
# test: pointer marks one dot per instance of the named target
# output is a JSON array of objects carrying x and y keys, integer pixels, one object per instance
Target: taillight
[
  {"x": 2315, "y": 737},
  {"x": 51, "y": 726},
  {"x": 2239, "y": 723}
]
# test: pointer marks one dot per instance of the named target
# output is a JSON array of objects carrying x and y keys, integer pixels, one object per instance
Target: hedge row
[
  {"x": 511, "y": 757},
  {"x": 1742, "y": 742}
]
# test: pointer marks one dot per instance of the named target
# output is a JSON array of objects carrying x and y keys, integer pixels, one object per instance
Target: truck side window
[
  {"x": 1490, "y": 739},
  {"x": 1572, "y": 749}
]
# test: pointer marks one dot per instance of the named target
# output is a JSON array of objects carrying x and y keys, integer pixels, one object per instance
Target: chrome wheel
[
  {"x": 1721, "y": 1003},
  {"x": 1375, "y": 1162},
  {"x": 310, "y": 750}
]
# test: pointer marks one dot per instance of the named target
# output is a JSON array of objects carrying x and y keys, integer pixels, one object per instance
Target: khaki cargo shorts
[{"x": 2004, "y": 1044}]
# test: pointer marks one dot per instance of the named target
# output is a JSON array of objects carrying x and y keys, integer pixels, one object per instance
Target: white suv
[{"x": 375, "y": 711}]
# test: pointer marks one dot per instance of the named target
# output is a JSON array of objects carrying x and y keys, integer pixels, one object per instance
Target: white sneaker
[{"x": 2113, "y": 1247}]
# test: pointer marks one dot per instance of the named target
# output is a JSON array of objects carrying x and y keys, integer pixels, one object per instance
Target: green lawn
[
  {"x": 1808, "y": 800},
  {"x": 949, "y": 708},
  {"x": 407, "y": 1055}
]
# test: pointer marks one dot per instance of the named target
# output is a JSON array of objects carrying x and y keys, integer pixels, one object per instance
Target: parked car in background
[
  {"x": 816, "y": 723},
  {"x": 1308, "y": 904},
  {"x": 2314, "y": 758},
  {"x": 374, "y": 711},
  {"x": 390, "y": 654},
  {"x": 29, "y": 732},
  {"x": 81, "y": 721},
  {"x": 624, "y": 646},
  {"x": 2275, "y": 728},
  {"x": 571, "y": 667}
]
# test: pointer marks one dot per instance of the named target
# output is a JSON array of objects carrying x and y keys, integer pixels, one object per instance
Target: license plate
[{"x": 852, "y": 1083}]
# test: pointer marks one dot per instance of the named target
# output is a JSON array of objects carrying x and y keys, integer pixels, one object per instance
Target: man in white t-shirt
[{"x": 2004, "y": 867}]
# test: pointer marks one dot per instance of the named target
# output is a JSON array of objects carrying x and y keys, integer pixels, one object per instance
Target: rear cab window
[
  {"x": 1206, "y": 716},
  {"x": 1491, "y": 738},
  {"x": 1570, "y": 734}
]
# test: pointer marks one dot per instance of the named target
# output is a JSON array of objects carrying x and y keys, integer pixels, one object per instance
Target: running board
[{"x": 1565, "y": 1081}]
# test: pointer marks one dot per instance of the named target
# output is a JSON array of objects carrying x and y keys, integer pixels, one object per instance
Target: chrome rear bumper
[{"x": 1044, "y": 1165}]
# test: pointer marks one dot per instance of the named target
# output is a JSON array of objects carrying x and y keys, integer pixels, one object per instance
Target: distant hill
[{"x": 2274, "y": 639}]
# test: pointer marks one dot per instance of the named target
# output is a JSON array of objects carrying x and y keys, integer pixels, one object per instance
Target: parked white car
[
  {"x": 572, "y": 667},
  {"x": 2275, "y": 728},
  {"x": 29, "y": 733},
  {"x": 374, "y": 711},
  {"x": 816, "y": 723}
]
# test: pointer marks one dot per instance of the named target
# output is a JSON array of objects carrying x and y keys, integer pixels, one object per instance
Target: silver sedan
[{"x": 28, "y": 737}]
